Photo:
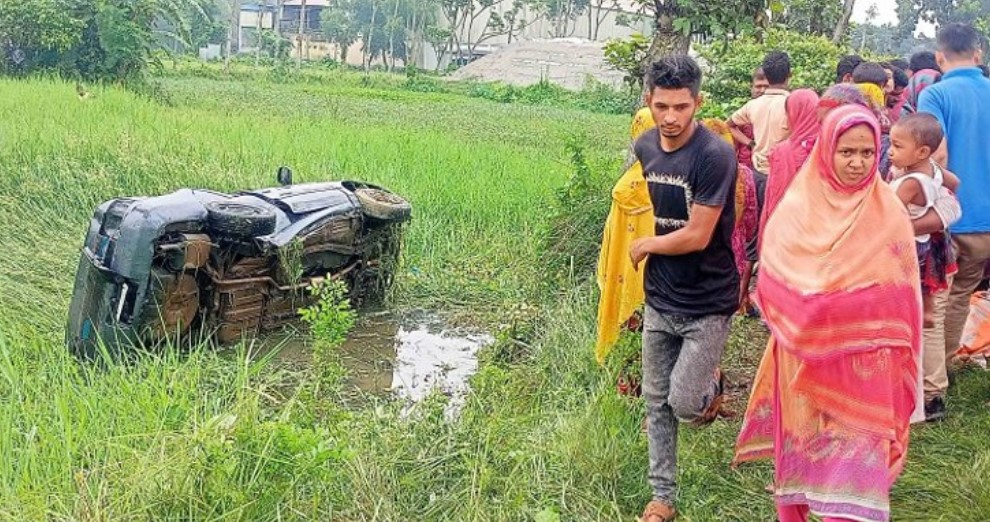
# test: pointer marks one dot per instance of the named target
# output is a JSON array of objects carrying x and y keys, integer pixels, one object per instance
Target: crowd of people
[{"x": 864, "y": 213}]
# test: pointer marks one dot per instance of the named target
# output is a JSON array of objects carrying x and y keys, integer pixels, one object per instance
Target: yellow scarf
[{"x": 630, "y": 218}]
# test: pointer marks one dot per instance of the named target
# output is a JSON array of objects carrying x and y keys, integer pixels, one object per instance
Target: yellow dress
[{"x": 630, "y": 218}]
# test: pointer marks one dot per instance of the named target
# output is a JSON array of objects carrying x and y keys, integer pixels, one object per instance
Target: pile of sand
[{"x": 567, "y": 62}]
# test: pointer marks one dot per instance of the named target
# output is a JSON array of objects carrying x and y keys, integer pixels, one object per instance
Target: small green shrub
[
  {"x": 331, "y": 318},
  {"x": 416, "y": 81},
  {"x": 574, "y": 234}
]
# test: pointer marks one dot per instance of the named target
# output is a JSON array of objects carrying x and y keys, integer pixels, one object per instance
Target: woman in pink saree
[{"x": 838, "y": 381}]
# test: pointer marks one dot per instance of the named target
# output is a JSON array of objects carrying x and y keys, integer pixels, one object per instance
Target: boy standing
[{"x": 691, "y": 283}]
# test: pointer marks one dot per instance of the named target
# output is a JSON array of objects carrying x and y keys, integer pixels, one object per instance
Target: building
[{"x": 602, "y": 20}]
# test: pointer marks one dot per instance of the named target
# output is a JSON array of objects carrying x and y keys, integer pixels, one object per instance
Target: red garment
[
  {"x": 787, "y": 157},
  {"x": 895, "y": 113},
  {"x": 744, "y": 155}
]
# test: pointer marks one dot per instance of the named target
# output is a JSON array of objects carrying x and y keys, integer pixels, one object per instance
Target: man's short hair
[
  {"x": 922, "y": 60},
  {"x": 924, "y": 129},
  {"x": 901, "y": 79},
  {"x": 870, "y": 72},
  {"x": 758, "y": 74},
  {"x": 847, "y": 65},
  {"x": 678, "y": 71},
  {"x": 984, "y": 69},
  {"x": 900, "y": 63},
  {"x": 958, "y": 40},
  {"x": 777, "y": 67}
]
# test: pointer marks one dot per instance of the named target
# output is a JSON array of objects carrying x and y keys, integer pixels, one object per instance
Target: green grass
[{"x": 205, "y": 435}]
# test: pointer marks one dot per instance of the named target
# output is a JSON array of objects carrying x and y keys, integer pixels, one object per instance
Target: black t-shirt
[{"x": 703, "y": 171}]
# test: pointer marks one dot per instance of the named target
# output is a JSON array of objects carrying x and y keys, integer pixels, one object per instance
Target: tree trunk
[
  {"x": 840, "y": 30},
  {"x": 299, "y": 34},
  {"x": 257, "y": 38},
  {"x": 666, "y": 41},
  {"x": 234, "y": 30},
  {"x": 371, "y": 34}
]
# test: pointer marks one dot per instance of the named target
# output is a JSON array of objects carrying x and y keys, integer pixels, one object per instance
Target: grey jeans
[{"x": 680, "y": 356}]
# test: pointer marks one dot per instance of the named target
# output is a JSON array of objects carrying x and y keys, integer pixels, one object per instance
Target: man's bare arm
[{"x": 694, "y": 237}]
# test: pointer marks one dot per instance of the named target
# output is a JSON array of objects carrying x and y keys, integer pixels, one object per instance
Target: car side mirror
[{"x": 284, "y": 176}]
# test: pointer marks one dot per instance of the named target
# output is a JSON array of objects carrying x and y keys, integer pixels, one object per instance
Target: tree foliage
[
  {"x": 112, "y": 40},
  {"x": 816, "y": 17},
  {"x": 942, "y": 12},
  {"x": 813, "y": 61}
]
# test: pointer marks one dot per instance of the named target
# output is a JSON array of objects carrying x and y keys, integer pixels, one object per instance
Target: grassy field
[{"x": 210, "y": 436}]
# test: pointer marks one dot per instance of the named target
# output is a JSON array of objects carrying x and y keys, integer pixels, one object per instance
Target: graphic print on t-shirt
[
  {"x": 701, "y": 172},
  {"x": 676, "y": 193}
]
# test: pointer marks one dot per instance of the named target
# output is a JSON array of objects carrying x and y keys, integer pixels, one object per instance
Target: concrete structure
[
  {"x": 563, "y": 52},
  {"x": 567, "y": 62}
]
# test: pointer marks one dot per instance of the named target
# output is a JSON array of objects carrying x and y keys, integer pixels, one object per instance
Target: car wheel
[
  {"x": 384, "y": 205},
  {"x": 238, "y": 220}
]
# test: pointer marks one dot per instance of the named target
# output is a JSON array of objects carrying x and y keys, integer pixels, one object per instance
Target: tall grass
[{"x": 196, "y": 434}]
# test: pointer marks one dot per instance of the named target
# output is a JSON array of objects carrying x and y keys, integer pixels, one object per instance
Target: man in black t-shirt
[{"x": 692, "y": 287}]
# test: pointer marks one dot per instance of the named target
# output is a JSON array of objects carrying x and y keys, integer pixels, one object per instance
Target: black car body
[{"x": 228, "y": 266}]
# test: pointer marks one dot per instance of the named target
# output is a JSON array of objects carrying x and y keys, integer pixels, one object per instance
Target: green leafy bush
[
  {"x": 106, "y": 40},
  {"x": 628, "y": 56},
  {"x": 574, "y": 234},
  {"x": 727, "y": 82},
  {"x": 331, "y": 318}
]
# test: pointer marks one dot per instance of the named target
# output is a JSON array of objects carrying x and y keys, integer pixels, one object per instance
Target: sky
[{"x": 887, "y": 14}]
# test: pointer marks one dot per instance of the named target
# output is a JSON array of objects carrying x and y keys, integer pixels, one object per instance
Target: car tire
[
  {"x": 384, "y": 205},
  {"x": 239, "y": 220}
]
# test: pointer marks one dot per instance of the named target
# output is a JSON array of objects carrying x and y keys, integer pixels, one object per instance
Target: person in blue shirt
[{"x": 961, "y": 103}]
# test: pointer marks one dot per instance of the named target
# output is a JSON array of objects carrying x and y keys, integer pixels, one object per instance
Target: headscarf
[
  {"x": 919, "y": 82},
  {"x": 842, "y": 94},
  {"x": 747, "y": 206},
  {"x": 630, "y": 218},
  {"x": 839, "y": 290},
  {"x": 788, "y": 156},
  {"x": 873, "y": 94}
]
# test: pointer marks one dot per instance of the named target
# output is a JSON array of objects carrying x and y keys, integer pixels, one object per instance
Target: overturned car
[{"x": 227, "y": 266}]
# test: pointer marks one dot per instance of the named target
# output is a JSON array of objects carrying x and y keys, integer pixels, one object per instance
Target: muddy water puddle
[{"x": 386, "y": 355}]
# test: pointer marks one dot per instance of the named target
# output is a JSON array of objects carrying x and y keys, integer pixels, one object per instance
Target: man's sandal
[{"x": 657, "y": 511}]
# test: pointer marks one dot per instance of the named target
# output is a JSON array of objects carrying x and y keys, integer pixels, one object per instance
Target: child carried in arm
[{"x": 913, "y": 140}]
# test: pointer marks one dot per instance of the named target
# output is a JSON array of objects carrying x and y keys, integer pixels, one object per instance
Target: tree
[
  {"x": 840, "y": 29},
  {"x": 464, "y": 15},
  {"x": 871, "y": 14},
  {"x": 33, "y": 33},
  {"x": 561, "y": 14},
  {"x": 340, "y": 26},
  {"x": 113, "y": 40},
  {"x": 942, "y": 12},
  {"x": 816, "y": 17},
  {"x": 597, "y": 12},
  {"x": 676, "y": 20}
]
